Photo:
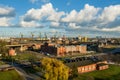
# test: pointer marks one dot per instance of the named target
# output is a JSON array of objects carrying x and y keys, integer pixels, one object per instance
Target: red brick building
[
  {"x": 87, "y": 65},
  {"x": 102, "y": 66},
  {"x": 59, "y": 50},
  {"x": 86, "y": 68},
  {"x": 36, "y": 46},
  {"x": 11, "y": 52}
]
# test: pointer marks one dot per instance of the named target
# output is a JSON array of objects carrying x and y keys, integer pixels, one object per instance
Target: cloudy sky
[{"x": 69, "y": 17}]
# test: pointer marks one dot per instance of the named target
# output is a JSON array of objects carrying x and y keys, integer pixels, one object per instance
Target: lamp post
[{"x": 12, "y": 60}]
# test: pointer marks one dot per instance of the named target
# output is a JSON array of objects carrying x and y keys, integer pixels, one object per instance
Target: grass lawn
[
  {"x": 26, "y": 55},
  {"x": 113, "y": 73},
  {"x": 2, "y": 63},
  {"x": 10, "y": 75}
]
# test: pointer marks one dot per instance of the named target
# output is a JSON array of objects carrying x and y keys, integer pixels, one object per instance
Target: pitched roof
[{"x": 81, "y": 62}]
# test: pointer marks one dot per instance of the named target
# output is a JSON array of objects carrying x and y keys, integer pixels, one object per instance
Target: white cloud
[
  {"x": 89, "y": 18},
  {"x": 55, "y": 16},
  {"x": 95, "y": 28},
  {"x": 5, "y": 22},
  {"x": 85, "y": 15},
  {"x": 110, "y": 13},
  {"x": 7, "y": 11},
  {"x": 55, "y": 24},
  {"x": 6, "y": 15},
  {"x": 29, "y": 24},
  {"x": 71, "y": 17},
  {"x": 46, "y": 11},
  {"x": 111, "y": 29},
  {"x": 53, "y": 31},
  {"x": 73, "y": 26}
]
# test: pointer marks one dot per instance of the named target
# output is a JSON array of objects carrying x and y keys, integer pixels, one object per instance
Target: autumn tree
[{"x": 54, "y": 69}]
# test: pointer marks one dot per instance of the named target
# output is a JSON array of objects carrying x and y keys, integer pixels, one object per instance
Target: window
[
  {"x": 86, "y": 68},
  {"x": 89, "y": 67},
  {"x": 83, "y": 69},
  {"x": 93, "y": 67}
]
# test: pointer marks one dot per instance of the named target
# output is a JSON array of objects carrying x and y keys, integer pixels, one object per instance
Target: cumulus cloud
[
  {"x": 7, "y": 11},
  {"x": 5, "y": 21},
  {"x": 71, "y": 17},
  {"x": 110, "y": 13},
  {"x": 29, "y": 24},
  {"x": 94, "y": 19},
  {"x": 73, "y": 26},
  {"x": 6, "y": 15},
  {"x": 45, "y": 13},
  {"x": 89, "y": 18},
  {"x": 111, "y": 29},
  {"x": 55, "y": 24},
  {"x": 85, "y": 15}
]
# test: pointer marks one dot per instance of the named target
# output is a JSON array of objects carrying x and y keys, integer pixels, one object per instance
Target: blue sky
[{"x": 69, "y": 17}]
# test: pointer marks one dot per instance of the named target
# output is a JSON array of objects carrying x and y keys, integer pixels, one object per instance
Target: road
[
  {"x": 21, "y": 72},
  {"x": 25, "y": 75}
]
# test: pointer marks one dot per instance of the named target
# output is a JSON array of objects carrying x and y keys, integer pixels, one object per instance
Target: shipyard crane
[
  {"x": 40, "y": 35},
  {"x": 45, "y": 36},
  {"x": 32, "y": 35},
  {"x": 21, "y": 35}
]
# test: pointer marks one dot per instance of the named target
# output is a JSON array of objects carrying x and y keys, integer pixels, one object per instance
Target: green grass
[
  {"x": 32, "y": 69},
  {"x": 2, "y": 63},
  {"x": 25, "y": 56},
  {"x": 10, "y": 75},
  {"x": 113, "y": 73}
]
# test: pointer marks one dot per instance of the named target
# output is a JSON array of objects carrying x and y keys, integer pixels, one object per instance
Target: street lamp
[{"x": 12, "y": 61}]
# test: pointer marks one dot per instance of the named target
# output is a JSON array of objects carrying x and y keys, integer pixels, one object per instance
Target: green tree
[
  {"x": 54, "y": 70},
  {"x": 32, "y": 58},
  {"x": 3, "y": 48},
  {"x": 74, "y": 73}
]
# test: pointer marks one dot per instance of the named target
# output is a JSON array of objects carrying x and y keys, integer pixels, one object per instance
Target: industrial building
[{"x": 62, "y": 50}]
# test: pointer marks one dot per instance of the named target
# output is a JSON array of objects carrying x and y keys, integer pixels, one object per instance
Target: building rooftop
[
  {"x": 102, "y": 64},
  {"x": 81, "y": 61}
]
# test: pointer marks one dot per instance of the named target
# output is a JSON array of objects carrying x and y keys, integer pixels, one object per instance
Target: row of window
[
  {"x": 87, "y": 68},
  {"x": 103, "y": 67}
]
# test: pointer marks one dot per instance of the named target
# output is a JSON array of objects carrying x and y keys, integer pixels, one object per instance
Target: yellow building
[{"x": 84, "y": 39}]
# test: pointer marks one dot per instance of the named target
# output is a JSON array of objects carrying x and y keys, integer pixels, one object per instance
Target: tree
[
  {"x": 74, "y": 73},
  {"x": 54, "y": 69},
  {"x": 32, "y": 58},
  {"x": 3, "y": 48}
]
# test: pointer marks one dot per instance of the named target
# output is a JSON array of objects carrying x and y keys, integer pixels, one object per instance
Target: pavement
[
  {"x": 21, "y": 72},
  {"x": 27, "y": 76}
]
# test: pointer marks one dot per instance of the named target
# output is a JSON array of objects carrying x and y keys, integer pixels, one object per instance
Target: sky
[{"x": 89, "y": 18}]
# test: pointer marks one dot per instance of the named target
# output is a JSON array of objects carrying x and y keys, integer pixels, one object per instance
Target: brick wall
[
  {"x": 103, "y": 67},
  {"x": 86, "y": 68},
  {"x": 83, "y": 49},
  {"x": 63, "y": 50},
  {"x": 12, "y": 52}
]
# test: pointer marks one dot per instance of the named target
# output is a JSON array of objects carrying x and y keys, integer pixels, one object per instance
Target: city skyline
[{"x": 69, "y": 17}]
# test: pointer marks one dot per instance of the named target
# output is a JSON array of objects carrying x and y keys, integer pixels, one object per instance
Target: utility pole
[
  {"x": 32, "y": 35},
  {"x": 45, "y": 36},
  {"x": 40, "y": 36}
]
